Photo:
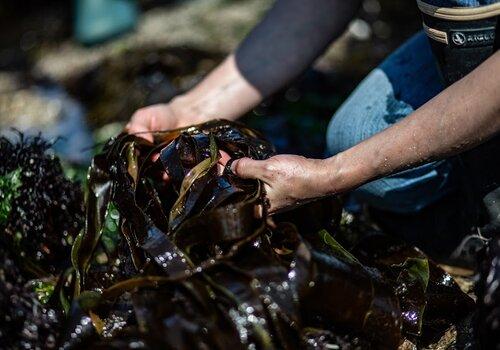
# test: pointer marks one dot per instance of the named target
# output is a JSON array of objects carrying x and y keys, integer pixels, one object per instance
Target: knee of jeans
[
  {"x": 362, "y": 115},
  {"x": 338, "y": 137},
  {"x": 411, "y": 190}
]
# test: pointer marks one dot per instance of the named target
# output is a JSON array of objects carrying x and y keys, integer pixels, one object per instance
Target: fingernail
[{"x": 232, "y": 166}]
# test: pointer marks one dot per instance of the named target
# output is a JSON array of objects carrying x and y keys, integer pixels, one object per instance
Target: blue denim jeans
[
  {"x": 406, "y": 80},
  {"x": 460, "y": 3}
]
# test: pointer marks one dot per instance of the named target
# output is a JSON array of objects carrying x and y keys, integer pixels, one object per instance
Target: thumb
[
  {"x": 139, "y": 130},
  {"x": 248, "y": 168}
]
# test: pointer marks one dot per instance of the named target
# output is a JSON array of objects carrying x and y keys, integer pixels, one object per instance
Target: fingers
[
  {"x": 140, "y": 130},
  {"x": 248, "y": 168},
  {"x": 144, "y": 121},
  {"x": 134, "y": 128},
  {"x": 224, "y": 157},
  {"x": 165, "y": 177}
]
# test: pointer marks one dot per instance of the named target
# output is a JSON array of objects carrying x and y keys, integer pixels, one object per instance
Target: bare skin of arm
[
  {"x": 291, "y": 36},
  {"x": 461, "y": 117},
  {"x": 285, "y": 43}
]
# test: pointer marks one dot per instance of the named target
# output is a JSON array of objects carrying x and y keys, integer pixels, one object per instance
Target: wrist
[
  {"x": 344, "y": 173},
  {"x": 186, "y": 110},
  {"x": 223, "y": 94}
]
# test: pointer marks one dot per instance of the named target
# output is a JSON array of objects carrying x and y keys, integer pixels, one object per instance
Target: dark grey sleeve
[{"x": 290, "y": 37}]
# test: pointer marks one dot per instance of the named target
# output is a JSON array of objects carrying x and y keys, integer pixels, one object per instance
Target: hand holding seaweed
[
  {"x": 185, "y": 263},
  {"x": 289, "y": 180},
  {"x": 225, "y": 277},
  {"x": 156, "y": 117}
]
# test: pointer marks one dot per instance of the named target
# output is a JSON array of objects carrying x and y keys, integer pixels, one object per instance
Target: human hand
[
  {"x": 152, "y": 118},
  {"x": 178, "y": 113},
  {"x": 289, "y": 180}
]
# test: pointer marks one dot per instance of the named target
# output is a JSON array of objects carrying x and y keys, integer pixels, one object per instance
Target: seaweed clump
[
  {"x": 40, "y": 210},
  {"x": 186, "y": 263},
  {"x": 40, "y": 213},
  {"x": 175, "y": 255},
  {"x": 27, "y": 320},
  {"x": 488, "y": 293}
]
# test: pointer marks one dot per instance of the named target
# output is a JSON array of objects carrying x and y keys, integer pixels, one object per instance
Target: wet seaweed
[
  {"x": 430, "y": 300},
  {"x": 488, "y": 293},
  {"x": 40, "y": 213},
  {"x": 224, "y": 275},
  {"x": 27, "y": 320},
  {"x": 175, "y": 255}
]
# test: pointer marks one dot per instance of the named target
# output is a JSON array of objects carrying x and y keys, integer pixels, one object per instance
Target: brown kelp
[
  {"x": 488, "y": 293},
  {"x": 430, "y": 300},
  {"x": 179, "y": 253},
  {"x": 186, "y": 262}
]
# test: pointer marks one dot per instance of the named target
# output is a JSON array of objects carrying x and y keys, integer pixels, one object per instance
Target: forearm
[
  {"x": 282, "y": 46},
  {"x": 461, "y": 117},
  {"x": 223, "y": 94}
]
